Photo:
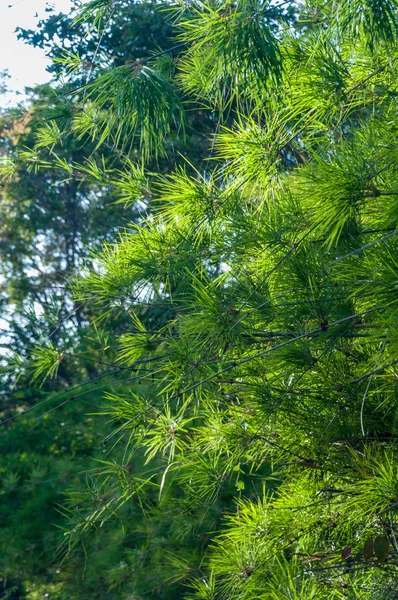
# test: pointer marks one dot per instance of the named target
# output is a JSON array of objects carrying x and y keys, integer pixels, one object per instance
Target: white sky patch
[{"x": 26, "y": 64}]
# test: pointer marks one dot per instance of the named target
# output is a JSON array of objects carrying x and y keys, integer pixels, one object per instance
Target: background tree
[{"x": 49, "y": 221}]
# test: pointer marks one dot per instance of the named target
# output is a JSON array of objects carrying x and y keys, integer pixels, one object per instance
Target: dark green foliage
[{"x": 252, "y": 446}]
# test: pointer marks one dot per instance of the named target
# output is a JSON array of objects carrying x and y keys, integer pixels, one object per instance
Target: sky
[{"x": 25, "y": 64}]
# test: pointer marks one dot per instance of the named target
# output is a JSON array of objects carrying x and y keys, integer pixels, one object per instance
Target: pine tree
[{"x": 261, "y": 455}]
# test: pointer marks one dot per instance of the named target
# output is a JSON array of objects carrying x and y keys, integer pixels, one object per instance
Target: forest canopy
[{"x": 199, "y": 277}]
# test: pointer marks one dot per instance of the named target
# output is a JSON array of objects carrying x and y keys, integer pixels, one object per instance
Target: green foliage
[
  {"x": 375, "y": 20},
  {"x": 44, "y": 363},
  {"x": 231, "y": 46},
  {"x": 253, "y": 302},
  {"x": 127, "y": 98}
]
